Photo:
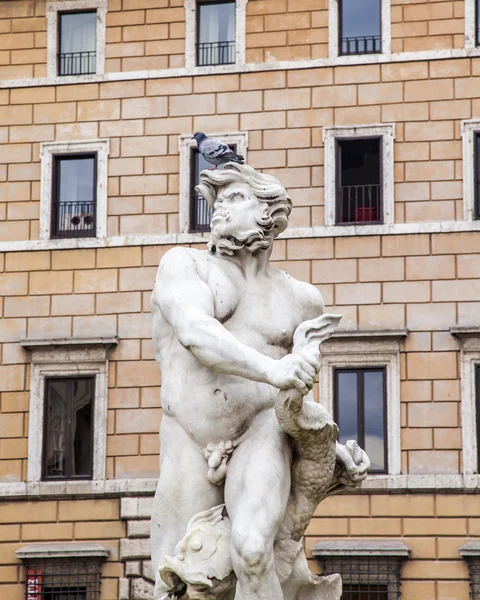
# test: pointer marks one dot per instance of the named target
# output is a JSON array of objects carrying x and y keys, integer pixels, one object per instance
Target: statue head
[{"x": 250, "y": 208}]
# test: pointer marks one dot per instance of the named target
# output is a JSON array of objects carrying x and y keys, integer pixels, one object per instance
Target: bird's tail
[{"x": 233, "y": 157}]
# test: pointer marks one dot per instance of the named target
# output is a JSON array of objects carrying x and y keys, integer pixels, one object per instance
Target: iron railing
[
  {"x": 215, "y": 53},
  {"x": 365, "y": 44},
  {"x": 77, "y": 63},
  {"x": 62, "y": 579},
  {"x": 359, "y": 204},
  {"x": 74, "y": 219},
  {"x": 200, "y": 213}
]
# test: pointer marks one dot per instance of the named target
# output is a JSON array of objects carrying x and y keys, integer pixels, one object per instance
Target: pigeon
[{"x": 214, "y": 151}]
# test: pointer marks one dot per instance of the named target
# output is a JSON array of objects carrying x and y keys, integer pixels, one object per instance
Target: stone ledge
[
  {"x": 391, "y": 334},
  {"x": 33, "y": 343},
  {"x": 470, "y": 549},
  {"x": 465, "y": 332},
  {"x": 361, "y": 548},
  {"x": 63, "y": 550}
]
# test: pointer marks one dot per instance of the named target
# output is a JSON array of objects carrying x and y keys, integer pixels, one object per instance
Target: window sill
[
  {"x": 65, "y": 550},
  {"x": 361, "y": 548}
]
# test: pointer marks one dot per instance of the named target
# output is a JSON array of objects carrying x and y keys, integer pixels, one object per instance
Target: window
[
  {"x": 74, "y": 196},
  {"x": 73, "y": 190},
  {"x": 78, "y": 43},
  {"x": 194, "y": 212},
  {"x": 360, "y": 412},
  {"x": 215, "y": 33},
  {"x": 68, "y": 428},
  {"x": 359, "y": 171},
  {"x": 76, "y": 35},
  {"x": 359, "y": 27},
  {"x": 359, "y": 182},
  {"x": 200, "y": 212},
  {"x": 369, "y": 570},
  {"x": 476, "y": 171}
]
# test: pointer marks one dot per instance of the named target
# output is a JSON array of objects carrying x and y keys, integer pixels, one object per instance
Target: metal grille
[
  {"x": 77, "y": 63},
  {"x": 364, "y": 44},
  {"x": 366, "y": 577},
  {"x": 74, "y": 219},
  {"x": 63, "y": 579},
  {"x": 215, "y": 53},
  {"x": 201, "y": 214},
  {"x": 359, "y": 203}
]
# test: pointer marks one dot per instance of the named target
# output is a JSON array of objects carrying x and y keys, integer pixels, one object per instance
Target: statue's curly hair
[{"x": 266, "y": 188}]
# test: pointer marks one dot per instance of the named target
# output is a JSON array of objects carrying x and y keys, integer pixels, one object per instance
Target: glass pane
[
  {"x": 360, "y": 19},
  {"x": 347, "y": 420},
  {"x": 364, "y": 592},
  {"x": 360, "y": 160},
  {"x": 78, "y": 32},
  {"x": 374, "y": 418},
  {"x": 216, "y": 22},
  {"x": 82, "y": 423},
  {"x": 76, "y": 179},
  {"x": 56, "y": 424}
]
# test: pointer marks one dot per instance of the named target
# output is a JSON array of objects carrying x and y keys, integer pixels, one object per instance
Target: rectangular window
[
  {"x": 359, "y": 27},
  {"x": 78, "y": 43},
  {"x": 359, "y": 181},
  {"x": 476, "y": 174},
  {"x": 215, "y": 33},
  {"x": 200, "y": 212},
  {"x": 63, "y": 578},
  {"x": 74, "y": 185},
  {"x": 68, "y": 428},
  {"x": 360, "y": 411}
]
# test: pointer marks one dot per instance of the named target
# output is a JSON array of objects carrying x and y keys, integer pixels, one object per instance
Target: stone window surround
[
  {"x": 185, "y": 143},
  {"x": 67, "y": 357},
  {"x": 191, "y": 35},
  {"x": 333, "y": 32},
  {"x": 469, "y": 359},
  {"x": 469, "y": 128},
  {"x": 63, "y": 550},
  {"x": 330, "y": 134},
  {"x": 470, "y": 24},
  {"x": 380, "y": 348},
  {"x": 50, "y": 149},
  {"x": 52, "y": 9}
]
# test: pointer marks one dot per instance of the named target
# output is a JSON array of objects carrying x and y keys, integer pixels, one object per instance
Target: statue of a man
[{"x": 223, "y": 326}]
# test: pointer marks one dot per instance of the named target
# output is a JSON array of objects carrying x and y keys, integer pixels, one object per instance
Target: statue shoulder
[
  {"x": 184, "y": 259},
  {"x": 306, "y": 295}
]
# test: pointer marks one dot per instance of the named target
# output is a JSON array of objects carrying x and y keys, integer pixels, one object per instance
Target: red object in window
[
  {"x": 34, "y": 583},
  {"x": 365, "y": 213}
]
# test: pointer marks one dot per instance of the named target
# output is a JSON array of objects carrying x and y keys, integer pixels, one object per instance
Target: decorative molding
[
  {"x": 52, "y": 10},
  {"x": 34, "y": 343},
  {"x": 367, "y": 352},
  {"x": 185, "y": 144},
  {"x": 368, "y": 334},
  {"x": 465, "y": 332},
  {"x": 63, "y": 550},
  {"x": 470, "y": 549},
  {"x": 50, "y": 149},
  {"x": 191, "y": 33},
  {"x": 334, "y": 34},
  {"x": 361, "y": 548},
  {"x": 387, "y": 133},
  {"x": 468, "y": 129},
  {"x": 50, "y": 359}
]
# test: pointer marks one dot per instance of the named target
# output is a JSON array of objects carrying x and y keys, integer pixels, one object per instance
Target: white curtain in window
[
  {"x": 78, "y": 32},
  {"x": 216, "y": 22}
]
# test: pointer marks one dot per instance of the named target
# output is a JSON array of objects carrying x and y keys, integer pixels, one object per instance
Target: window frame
[
  {"x": 385, "y": 131},
  {"x": 54, "y": 235},
  {"x": 470, "y": 129},
  {"x": 48, "y": 152},
  {"x": 340, "y": 24},
  {"x": 360, "y": 371},
  {"x": 53, "y": 9},
  {"x": 67, "y": 477},
  {"x": 197, "y": 31},
  {"x": 59, "y": 38},
  {"x": 338, "y": 176},
  {"x": 476, "y": 175},
  {"x": 185, "y": 144}
]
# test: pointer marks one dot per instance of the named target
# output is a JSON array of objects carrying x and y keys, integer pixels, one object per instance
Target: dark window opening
[
  {"x": 360, "y": 412},
  {"x": 476, "y": 174},
  {"x": 215, "y": 33},
  {"x": 63, "y": 579},
  {"x": 74, "y": 196},
  {"x": 359, "y": 181},
  {"x": 359, "y": 27},
  {"x": 477, "y": 410},
  {"x": 200, "y": 211},
  {"x": 365, "y": 591},
  {"x": 68, "y": 428},
  {"x": 77, "y": 34}
]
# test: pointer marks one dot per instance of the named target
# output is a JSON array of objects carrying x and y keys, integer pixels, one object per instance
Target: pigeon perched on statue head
[{"x": 214, "y": 151}]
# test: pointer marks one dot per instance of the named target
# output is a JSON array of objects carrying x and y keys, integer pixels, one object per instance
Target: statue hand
[
  {"x": 295, "y": 370},
  {"x": 356, "y": 463}
]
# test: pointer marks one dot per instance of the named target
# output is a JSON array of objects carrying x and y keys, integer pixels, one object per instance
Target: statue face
[{"x": 236, "y": 212}]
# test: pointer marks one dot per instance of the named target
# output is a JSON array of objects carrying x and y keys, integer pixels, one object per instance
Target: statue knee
[{"x": 251, "y": 550}]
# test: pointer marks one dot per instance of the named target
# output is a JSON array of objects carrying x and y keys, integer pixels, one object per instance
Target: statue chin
[{"x": 234, "y": 241}]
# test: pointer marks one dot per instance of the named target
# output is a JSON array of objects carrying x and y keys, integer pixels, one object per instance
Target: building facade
[{"x": 371, "y": 120}]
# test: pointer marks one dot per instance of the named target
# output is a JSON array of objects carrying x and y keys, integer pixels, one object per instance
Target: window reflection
[
  {"x": 78, "y": 43},
  {"x": 360, "y": 26},
  {"x": 216, "y": 33}
]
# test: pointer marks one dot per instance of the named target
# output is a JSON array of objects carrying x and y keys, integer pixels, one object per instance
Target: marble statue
[{"x": 246, "y": 454}]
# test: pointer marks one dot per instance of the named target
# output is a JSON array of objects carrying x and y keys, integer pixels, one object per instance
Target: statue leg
[
  {"x": 182, "y": 491},
  {"x": 256, "y": 495}
]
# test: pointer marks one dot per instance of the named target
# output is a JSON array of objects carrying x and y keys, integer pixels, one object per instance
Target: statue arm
[{"x": 187, "y": 304}]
